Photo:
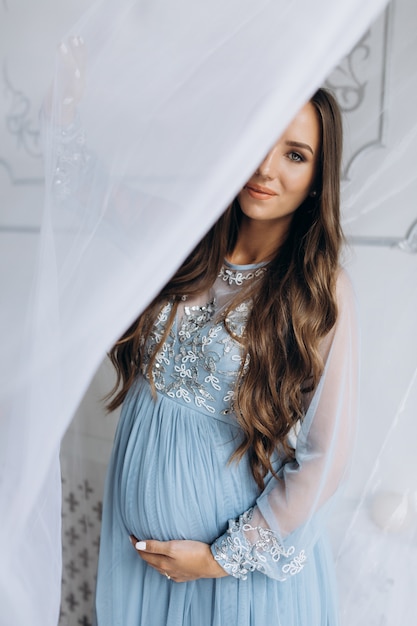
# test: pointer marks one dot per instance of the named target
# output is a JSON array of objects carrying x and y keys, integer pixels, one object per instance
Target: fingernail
[
  {"x": 80, "y": 39},
  {"x": 77, "y": 73},
  {"x": 140, "y": 545},
  {"x": 63, "y": 48},
  {"x": 75, "y": 41}
]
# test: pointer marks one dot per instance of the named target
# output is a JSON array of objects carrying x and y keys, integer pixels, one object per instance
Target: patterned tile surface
[{"x": 82, "y": 488}]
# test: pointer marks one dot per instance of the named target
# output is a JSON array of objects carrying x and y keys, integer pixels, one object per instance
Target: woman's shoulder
[
  {"x": 344, "y": 284},
  {"x": 346, "y": 319},
  {"x": 346, "y": 296}
]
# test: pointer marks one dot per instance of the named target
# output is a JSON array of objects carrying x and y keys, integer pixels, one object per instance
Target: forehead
[{"x": 305, "y": 127}]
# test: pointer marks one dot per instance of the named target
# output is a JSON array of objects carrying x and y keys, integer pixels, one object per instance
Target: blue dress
[{"x": 170, "y": 478}]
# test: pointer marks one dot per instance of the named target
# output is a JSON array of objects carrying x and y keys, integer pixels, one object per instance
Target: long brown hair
[{"x": 293, "y": 308}]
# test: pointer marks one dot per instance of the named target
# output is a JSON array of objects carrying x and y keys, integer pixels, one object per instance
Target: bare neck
[{"x": 258, "y": 240}]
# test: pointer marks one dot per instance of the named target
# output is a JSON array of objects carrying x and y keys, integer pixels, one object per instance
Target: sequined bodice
[{"x": 199, "y": 361}]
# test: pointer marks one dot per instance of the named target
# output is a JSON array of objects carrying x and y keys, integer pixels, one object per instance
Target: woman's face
[{"x": 286, "y": 175}]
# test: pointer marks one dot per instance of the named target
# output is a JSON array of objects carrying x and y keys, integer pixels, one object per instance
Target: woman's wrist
[{"x": 214, "y": 569}]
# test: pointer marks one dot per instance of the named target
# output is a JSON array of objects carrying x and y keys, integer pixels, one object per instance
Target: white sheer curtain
[{"x": 182, "y": 100}]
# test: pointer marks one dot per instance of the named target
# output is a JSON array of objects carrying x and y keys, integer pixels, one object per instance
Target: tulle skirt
[{"x": 170, "y": 478}]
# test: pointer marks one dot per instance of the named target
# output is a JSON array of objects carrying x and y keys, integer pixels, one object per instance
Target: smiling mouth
[{"x": 258, "y": 191}]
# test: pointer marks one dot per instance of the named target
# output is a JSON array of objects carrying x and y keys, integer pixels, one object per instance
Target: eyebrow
[{"x": 299, "y": 144}]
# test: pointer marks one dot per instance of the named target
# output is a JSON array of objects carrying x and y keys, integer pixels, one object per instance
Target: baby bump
[{"x": 171, "y": 471}]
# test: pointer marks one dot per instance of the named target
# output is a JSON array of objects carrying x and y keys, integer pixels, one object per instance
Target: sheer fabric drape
[{"x": 181, "y": 102}]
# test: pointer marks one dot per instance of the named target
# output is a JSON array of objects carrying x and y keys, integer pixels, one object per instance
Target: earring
[{"x": 313, "y": 194}]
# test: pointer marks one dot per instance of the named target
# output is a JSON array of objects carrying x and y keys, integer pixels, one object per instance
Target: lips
[{"x": 259, "y": 192}]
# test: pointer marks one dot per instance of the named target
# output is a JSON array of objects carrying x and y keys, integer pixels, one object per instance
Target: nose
[{"x": 268, "y": 168}]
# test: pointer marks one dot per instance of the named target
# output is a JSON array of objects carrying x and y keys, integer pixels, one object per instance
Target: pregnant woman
[{"x": 238, "y": 385}]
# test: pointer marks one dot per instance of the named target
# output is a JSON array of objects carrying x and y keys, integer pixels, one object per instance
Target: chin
[
  {"x": 264, "y": 214},
  {"x": 254, "y": 210}
]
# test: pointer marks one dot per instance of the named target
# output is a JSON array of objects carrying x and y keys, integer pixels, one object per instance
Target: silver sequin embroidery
[{"x": 238, "y": 556}]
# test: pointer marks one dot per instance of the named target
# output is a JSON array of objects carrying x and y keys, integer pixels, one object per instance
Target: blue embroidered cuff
[{"x": 238, "y": 556}]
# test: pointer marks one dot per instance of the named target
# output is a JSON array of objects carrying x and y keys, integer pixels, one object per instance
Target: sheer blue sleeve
[{"x": 276, "y": 536}]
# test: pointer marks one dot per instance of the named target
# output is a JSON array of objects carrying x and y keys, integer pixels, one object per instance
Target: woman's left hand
[{"x": 179, "y": 561}]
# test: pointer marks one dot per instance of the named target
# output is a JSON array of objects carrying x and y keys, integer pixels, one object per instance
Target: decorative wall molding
[
  {"x": 19, "y": 120},
  {"x": 29, "y": 34},
  {"x": 408, "y": 243},
  {"x": 359, "y": 84},
  {"x": 21, "y": 134},
  {"x": 345, "y": 82}
]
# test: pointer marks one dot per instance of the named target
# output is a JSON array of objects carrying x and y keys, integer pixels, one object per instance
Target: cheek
[{"x": 300, "y": 182}]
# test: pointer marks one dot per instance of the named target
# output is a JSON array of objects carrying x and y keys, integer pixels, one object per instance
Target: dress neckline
[
  {"x": 242, "y": 268},
  {"x": 239, "y": 274}
]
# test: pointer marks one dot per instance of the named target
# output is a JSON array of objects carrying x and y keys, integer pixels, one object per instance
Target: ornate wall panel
[
  {"x": 29, "y": 34},
  {"x": 359, "y": 83}
]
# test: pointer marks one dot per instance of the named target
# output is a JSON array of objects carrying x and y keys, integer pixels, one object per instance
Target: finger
[
  {"x": 165, "y": 571},
  {"x": 151, "y": 546},
  {"x": 158, "y": 561}
]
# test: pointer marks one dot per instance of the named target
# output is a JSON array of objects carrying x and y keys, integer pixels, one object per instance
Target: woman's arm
[
  {"x": 277, "y": 535},
  {"x": 181, "y": 560}
]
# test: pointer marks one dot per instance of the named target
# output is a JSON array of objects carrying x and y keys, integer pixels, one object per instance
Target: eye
[{"x": 296, "y": 157}]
